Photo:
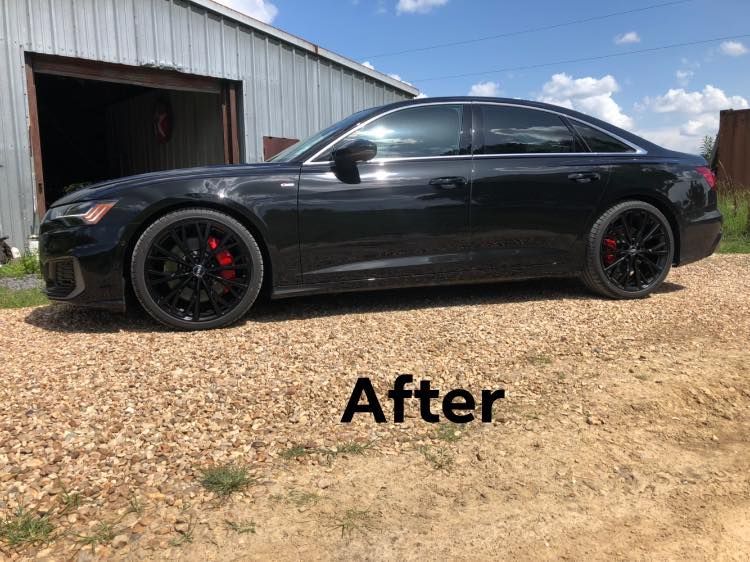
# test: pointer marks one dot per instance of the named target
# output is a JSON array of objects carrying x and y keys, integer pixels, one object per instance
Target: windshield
[{"x": 296, "y": 150}]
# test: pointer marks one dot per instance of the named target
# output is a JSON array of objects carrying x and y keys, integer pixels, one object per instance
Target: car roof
[{"x": 627, "y": 135}]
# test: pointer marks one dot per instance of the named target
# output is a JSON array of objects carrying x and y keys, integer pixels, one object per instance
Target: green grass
[
  {"x": 225, "y": 480},
  {"x": 103, "y": 534},
  {"x": 449, "y": 432},
  {"x": 22, "y": 299},
  {"x": 294, "y": 452},
  {"x": 25, "y": 527},
  {"x": 734, "y": 205},
  {"x": 26, "y": 265}
]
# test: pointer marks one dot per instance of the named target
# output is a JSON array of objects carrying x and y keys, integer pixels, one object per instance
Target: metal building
[{"x": 94, "y": 89}]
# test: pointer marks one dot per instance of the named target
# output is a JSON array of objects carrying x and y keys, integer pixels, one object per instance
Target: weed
[
  {"x": 69, "y": 500},
  {"x": 295, "y": 451},
  {"x": 242, "y": 527},
  {"x": 439, "y": 458},
  {"x": 359, "y": 520},
  {"x": 448, "y": 432},
  {"x": 225, "y": 480},
  {"x": 352, "y": 448},
  {"x": 23, "y": 526},
  {"x": 103, "y": 533},
  {"x": 135, "y": 505},
  {"x": 538, "y": 360},
  {"x": 301, "y": 499}
]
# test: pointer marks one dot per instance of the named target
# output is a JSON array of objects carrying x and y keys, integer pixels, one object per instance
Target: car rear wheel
[
  {"x": 629, "y": 251},
  {"x": 196, "y": 269}
]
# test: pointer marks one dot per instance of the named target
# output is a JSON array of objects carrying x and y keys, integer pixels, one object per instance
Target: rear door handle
[
  {"x": 448, "y": 182},
  {"x": 584, "y": 177}
]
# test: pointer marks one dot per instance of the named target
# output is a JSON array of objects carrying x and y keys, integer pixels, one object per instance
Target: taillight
[{"x": 709, "y": 175}]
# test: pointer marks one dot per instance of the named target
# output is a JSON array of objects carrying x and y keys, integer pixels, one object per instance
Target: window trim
[
  {"x": 638, "y": 150},
  {"x": 330, "y": 145}
]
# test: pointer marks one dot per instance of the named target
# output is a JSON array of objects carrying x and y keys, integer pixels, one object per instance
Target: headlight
[{"x": 88, "y": 212}]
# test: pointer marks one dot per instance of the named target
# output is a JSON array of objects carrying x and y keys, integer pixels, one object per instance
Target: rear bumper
[
  {"x": 700, "y": 238},
  {"x": 82, "y": 265}
]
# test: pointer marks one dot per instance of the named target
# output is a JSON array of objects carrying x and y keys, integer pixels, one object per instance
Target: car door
[
  {"x": 403, "y": 213},
  {"x": 535, "y": 187}
]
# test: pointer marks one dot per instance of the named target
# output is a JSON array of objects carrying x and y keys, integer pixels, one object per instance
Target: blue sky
[{"x": 671, "y": 96}]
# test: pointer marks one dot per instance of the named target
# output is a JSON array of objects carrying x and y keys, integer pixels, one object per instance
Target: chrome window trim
[{"x": 639, "y": 151}]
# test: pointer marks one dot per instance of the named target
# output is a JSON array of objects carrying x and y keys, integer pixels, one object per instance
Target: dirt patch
[{"x": 624, "y": 433}]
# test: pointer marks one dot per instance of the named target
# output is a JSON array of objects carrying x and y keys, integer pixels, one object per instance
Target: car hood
[{"x": 105, "y": 189}]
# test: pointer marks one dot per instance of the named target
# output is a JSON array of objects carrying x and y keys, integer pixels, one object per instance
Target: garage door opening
[{"x": 93, "y": 122}]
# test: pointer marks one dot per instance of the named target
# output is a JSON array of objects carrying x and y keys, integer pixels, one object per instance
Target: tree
[{"x": 707, "y": 147}]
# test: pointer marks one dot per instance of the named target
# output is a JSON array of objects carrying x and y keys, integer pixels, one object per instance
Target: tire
[
  {"x": 196, "y": 269},
  {"x": 617, "y": 264}
]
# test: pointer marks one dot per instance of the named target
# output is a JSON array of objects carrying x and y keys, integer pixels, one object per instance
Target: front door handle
[
  {"x": 584, "y": 177},
  {"x": 448, "y": 182}
]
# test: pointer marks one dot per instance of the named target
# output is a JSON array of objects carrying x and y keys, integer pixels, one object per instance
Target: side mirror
[{"x": 358, "y": 150}]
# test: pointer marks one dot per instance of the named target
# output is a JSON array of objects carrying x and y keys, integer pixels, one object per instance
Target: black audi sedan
[{"x": 421, "y": 192}]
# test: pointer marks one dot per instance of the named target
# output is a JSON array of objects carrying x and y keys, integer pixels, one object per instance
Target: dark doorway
[{"x": 92, "y": 122}]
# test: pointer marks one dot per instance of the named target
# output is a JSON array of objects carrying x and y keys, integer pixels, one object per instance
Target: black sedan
[{"x": 423, "y": 192}]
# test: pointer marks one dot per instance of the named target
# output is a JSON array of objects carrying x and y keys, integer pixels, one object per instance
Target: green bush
[{"x": 28, "y": 264}]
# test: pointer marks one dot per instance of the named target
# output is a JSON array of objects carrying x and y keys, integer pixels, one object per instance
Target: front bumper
[{"x": 82, "y": 265}]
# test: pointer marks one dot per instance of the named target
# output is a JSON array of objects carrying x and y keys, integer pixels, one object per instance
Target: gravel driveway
[{"x": 625, "y": 432}]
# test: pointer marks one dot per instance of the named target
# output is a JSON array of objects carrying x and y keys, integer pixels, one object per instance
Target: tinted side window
[
  {"x": 599, "y": 141},
  {"x": 518, "y": 130},
  {"x": 420, "y": 131}
]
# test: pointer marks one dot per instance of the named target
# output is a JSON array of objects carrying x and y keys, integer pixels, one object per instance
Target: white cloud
[
  {"x": 418, "y": 6},
  {"x": 397, "y": 77},
  {"x": 485, "y": 89},
  {"x": 733, "y": 48},
  {"x": 696, "y": 114},
  {"x": 682, "y": 101},
  {"x": 589, "y": 95},
  {"x": 421, "y": 95},
  {"x": 369, "y": 65},
  {"x": 262, "y": 10},
  {"x": 684, "y": 76},
  {"x": 629, "y": 37}
]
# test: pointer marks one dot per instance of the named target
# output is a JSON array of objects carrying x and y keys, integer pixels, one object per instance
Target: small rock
[
  {"x": 323, "y": 483},
  {"x": 593, "y": 420},
  {"x": 120, "y": 540}
]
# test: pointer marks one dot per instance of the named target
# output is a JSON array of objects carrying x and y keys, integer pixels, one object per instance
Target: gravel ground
[
  {"x": 20, "y": 283},
  {"x": 624, "y": 433}
]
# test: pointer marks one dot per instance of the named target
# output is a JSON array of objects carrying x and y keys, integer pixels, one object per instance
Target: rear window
[
  {"x": 519, "y": 130},
  {"x": 599, "y": 141}
]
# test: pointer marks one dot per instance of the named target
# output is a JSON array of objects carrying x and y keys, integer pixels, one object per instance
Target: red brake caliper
[
  {"x": 610, "y": 247},
  {"x": 224, "y": 258}
]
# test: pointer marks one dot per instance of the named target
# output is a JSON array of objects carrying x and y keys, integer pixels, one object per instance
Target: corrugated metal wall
[
  {"x": 287, "y": 89},
  {"x": 734, "y": 148}
]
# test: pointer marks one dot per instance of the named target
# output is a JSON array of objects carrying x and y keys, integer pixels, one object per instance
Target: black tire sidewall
[
  {"x": 597, "y": 235},
  {"x": 140, "y": 253}
]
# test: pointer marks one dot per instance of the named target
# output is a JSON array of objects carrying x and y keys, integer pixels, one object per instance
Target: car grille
[{"x": 60, "y": 278}]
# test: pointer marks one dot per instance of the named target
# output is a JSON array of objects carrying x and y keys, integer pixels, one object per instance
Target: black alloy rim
[
  {"x": 635, "y": 250},
  {"x": 198, "y": 270}
]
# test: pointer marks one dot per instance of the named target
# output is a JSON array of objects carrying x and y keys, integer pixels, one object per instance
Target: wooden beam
[
  {"x": 233, "y": 124},
  {"x": 36, "y": 143},
  {"x": 124, "y": 74}
]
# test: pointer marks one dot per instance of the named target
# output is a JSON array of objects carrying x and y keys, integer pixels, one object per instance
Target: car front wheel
[
  {"x": 196, "y": 269},
  {"x": 629, "y": 251}
]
